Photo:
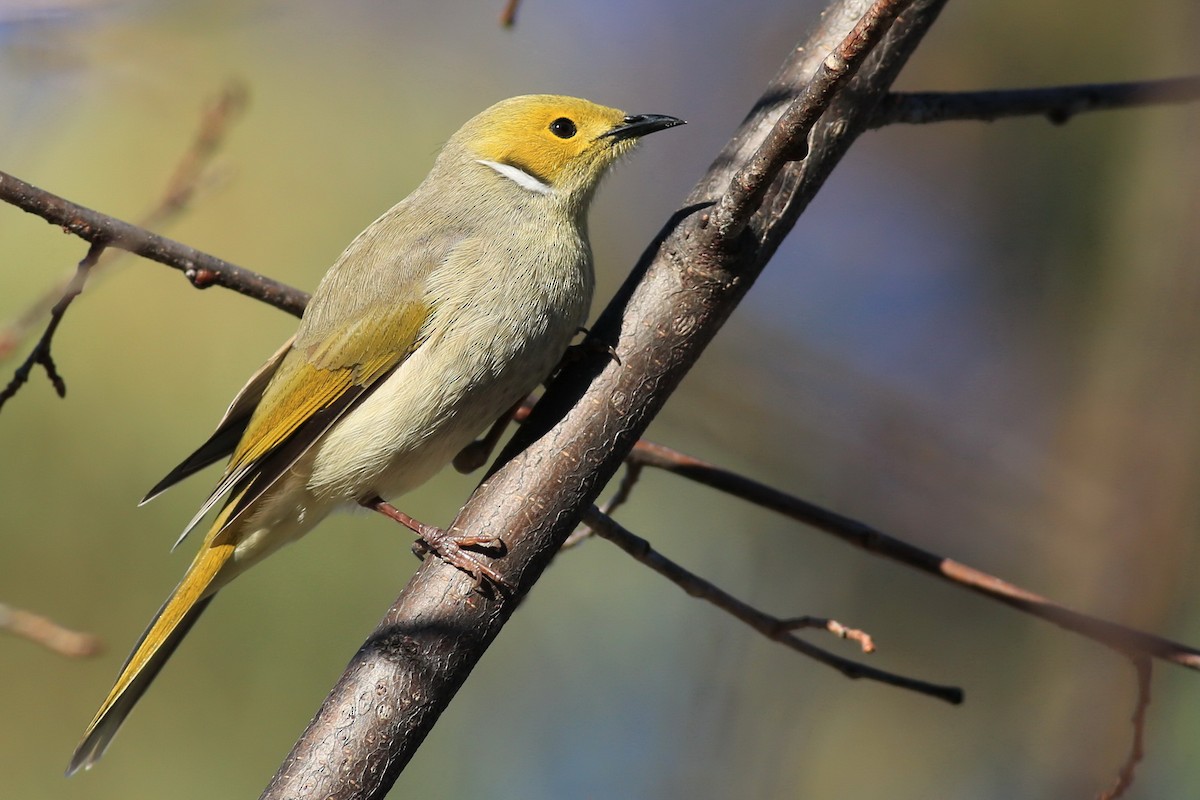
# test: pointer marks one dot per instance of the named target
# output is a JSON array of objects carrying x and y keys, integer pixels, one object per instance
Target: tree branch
[
  {"x": 685, "y": 286},
  {"x": 788, "y": 139},
  {"x": 200, "y": 268},
  {"x": 41, "y": 351},
  {"x": 1137, "y": 747},
  {"x": 48, "y": 633},
  {"x": 182, "y": 185},
  {"x": 190, "y": 174},
  {"x": 1057, "y": 103},
  {"x": 1118, "y": 637},
  {"x": 774, "y": 628},
  {"x": 508, "y": 17}
]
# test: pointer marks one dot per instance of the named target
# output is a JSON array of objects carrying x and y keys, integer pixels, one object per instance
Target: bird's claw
[{"x": 451, "y": 548}]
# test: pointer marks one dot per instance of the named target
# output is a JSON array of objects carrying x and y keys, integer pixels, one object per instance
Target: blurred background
[{"x": 980, "y": 338}]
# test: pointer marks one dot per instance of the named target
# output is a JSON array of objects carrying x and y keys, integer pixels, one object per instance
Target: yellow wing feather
[{"x": 312, "y": 378}]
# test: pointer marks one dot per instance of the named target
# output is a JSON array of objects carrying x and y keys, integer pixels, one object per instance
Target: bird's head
[{"x": 552, "y": 145}]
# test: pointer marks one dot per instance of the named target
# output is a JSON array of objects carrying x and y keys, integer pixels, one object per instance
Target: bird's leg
[
  {"x": 476, "y": 454},
  {"x": 447, "y": 546}
]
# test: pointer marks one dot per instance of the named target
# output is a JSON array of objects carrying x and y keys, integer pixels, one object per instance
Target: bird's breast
[{"x": 490, "y": 340}]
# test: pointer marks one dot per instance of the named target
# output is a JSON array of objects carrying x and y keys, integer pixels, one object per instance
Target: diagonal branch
[
  {"x": 190, "y": 174},
  {"x": 508, "y": 17},
  {"x": 180, "y": 188}
]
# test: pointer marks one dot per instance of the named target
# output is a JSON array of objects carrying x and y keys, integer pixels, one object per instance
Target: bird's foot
[
  {"x": 452, "y": 548},
  {"x": 447, "y": 545}
]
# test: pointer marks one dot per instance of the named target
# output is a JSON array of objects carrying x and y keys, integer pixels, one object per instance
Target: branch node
[
  {"x": 832, "y": 626},
  {"x": 201, "y": 277},
  {"x": 1059, "y": 116}
]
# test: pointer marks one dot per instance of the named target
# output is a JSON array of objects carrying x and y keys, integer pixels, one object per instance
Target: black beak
[{"x": 642, "y": 124}]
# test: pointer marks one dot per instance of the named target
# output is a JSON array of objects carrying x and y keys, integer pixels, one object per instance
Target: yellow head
[{"x": 551, "y": 144}]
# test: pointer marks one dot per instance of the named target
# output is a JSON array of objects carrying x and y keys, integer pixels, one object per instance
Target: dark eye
[{"x": 563, "y": 128}]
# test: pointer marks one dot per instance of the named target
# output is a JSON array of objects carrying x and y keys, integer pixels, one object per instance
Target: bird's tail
[{"x": 167, "y": 629}]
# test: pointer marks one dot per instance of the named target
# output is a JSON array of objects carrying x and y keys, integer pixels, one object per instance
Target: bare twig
[
  {"x": 200, "y": 268},
  {"x": 48, "y": 633},
  {"x": 185, "y": 180},
  {"x": 1110, "y": 634},
  {"x": 41, "y": 351},
  {"x": 508, "y": 17},
  {"x": 435, "y": 633},
  {"x": 633, "y": 472},
  {"x": 180, "y": 188},
  {"x": 477, "y": 453},
  {"x": 1145, "y": 669},
  {"x": 1057, "y": 103},
  {"x": 189, "y": 172},
  {"x": 773, "y": 628}
]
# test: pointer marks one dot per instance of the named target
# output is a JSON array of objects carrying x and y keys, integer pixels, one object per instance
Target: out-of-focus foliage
[{"x": 982, "y": 338}]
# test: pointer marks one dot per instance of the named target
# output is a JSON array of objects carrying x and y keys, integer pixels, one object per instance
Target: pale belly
[{"x": 422, "y": 415}]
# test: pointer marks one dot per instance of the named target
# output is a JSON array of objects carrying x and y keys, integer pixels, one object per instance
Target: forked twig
[
  {"x": 189, "y": 175},
  {"x": 180, "y": 188},
  {"x": 1110, "y": 634},
  {"x": 41, "y": 351},
  {"x": 774, "y": 628}
]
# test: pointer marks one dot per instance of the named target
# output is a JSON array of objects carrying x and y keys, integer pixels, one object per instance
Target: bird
[{"x": 442, "y": 314}]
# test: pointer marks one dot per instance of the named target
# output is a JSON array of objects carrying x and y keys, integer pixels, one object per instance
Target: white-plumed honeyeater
[{"x": 440, "y": 316}]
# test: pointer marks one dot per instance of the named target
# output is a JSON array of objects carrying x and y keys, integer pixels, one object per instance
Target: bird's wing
[
  {"x": 229, "y": 430},
  {"x": 312, "y": 388},
  {"x": 366, "y": 317}
]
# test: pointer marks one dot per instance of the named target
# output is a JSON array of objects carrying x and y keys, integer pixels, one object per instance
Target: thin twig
[
  {"x": 1110, "y": 634},
  {"x": 477, "y": 453},
  {"x": 188, "y": 176},
  {"x": 773, "y": 628},
  {"x": 1057, "y": 103},
  {"x": 215, "y": 120},
  {"x": 48, "y": 633},
  {"x": 41, "y": 351},
  {"x": 508, "y": 17},
  {"x": 788, "y": 139},
  {"x": 629, "y": 479},
  {"x": 202, "y": 269},
  {"x": 1137, "y": 750}
]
